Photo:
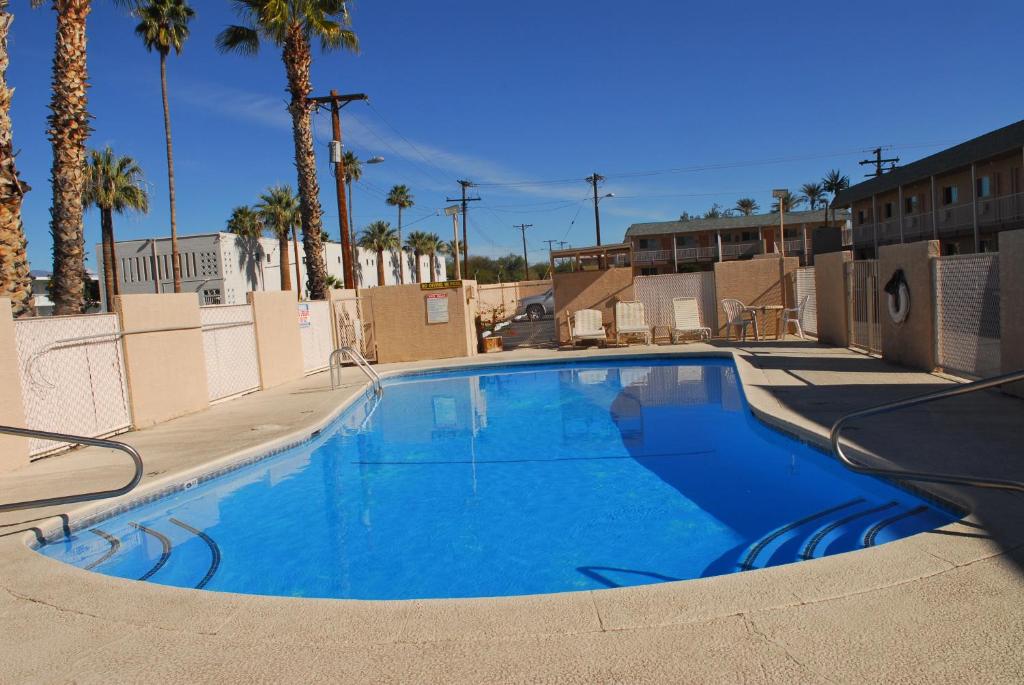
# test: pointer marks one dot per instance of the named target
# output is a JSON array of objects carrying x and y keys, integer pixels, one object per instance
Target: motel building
[
  {"x": 222, "y": 267},
  {"x": 964, "y": 197}
]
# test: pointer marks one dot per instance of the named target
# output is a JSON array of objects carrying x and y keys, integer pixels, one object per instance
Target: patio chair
[
  {"x": 793, "y": 315},
  {"x": 737, "y": 316},
  {"x": 586, "y": 324},
  {"x": 631, "y": 320},
  {"x": 686, "y": 319}
]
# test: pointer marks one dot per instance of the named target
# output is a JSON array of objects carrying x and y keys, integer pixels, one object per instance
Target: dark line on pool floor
[
  {"x": 872, "y": 533},
  {"x": 114, "y": 543},
  {"x": 816, "y": 539},
  {"x": 164, "y": 556},
  {"x": 214, "y": 551},
  {"x": 529, "y": 461},
  {"x": 748, "y": 562}
]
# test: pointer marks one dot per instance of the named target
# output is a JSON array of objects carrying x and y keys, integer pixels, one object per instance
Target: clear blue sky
[{"x": 537, "y": 90}]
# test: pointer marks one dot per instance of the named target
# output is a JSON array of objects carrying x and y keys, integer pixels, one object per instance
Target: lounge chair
[
  {"x": 793, "y": 315},
  {"x": 586, "y": 324},
  {"x": 686, "y": 319},
  {"x": 630, "y": 320},
  {"x": 736, "y": 316}
]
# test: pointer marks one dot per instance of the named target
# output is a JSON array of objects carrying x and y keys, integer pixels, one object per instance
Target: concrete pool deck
[{"x": 940, "y": 606}]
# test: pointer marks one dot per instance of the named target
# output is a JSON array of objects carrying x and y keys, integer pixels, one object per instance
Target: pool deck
[{"x": 941, "y": 606}]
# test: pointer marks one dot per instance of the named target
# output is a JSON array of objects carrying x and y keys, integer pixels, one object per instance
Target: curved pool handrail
[
  {"x": 956, "y": 479},
  {"x": 77, "y": 440},
  {"x": 359, "y": 360}
]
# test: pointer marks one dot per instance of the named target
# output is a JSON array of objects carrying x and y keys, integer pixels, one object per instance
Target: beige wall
[
  {"x": 400, "y": 323},
  {"x": 13, "y": 451},
  {"x": 830, "y": 292},
  {"x": 911, "y": 343},
  {"x": 278, "y": 341},
  {"x": 166, "y": 370},
  {"x": 1011, "y": 304},
  {"x": 590, "y": 290},
  {"x": 753, "y": 282}
]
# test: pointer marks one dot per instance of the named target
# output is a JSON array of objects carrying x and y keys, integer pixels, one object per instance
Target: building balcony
[
  {"x": 694, "y": 254},
  {"x": 793, "y": 246},
  {"x": 737, "y": 250},
  {"x": 1001, "y": 210},
  {"x": 641, "y": 257}
]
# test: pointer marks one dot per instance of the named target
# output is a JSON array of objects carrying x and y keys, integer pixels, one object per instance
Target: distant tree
[
  {"x": 279, "y": 209},
  {"x": 353, "y": 173},
  {"x": 789, "y": 201},
  {"x": 245, "y": 222},
  {"x": 434, "y": 246},
  {"x": 813, "y": 193},
  {"x": 714, "y": 213},
  {"x": 835, "y": 182},
  {"x": 747, "y": 206},
  {"x": 400, "y": 197},
  {"x": 416, "y": 241},
  {"x": 381, "y": 238},
  {"x": 685, "y": 216}
]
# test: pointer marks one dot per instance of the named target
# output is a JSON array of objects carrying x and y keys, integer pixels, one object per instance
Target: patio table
[{"x": 764, "y": 309}]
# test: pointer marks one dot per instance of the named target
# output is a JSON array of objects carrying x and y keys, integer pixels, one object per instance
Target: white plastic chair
[
  {"x": 686, "y": 317},
  {"x": 735, "y": 314},
  {"x": 793, "y": 315},
  {"x": 586, "y": 324},
  {"x": 630, "y": 319}
]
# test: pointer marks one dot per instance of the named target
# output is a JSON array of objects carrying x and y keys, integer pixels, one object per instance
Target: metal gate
[
  {"x": 967, "y": 327},
  {"x": 354, "y": 320},
  {"x": 229, "y": 343},
  {"x": 315, "y": 332},
  {"x": 862, "y": 298},
  {"x": 805, "y": 288},
  {"x": 72, "y": 377}
]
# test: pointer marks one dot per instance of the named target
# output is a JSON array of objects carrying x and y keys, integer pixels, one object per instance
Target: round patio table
[{"x": 764, "y": 309}]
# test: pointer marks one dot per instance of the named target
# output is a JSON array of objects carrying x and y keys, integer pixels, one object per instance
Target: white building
[
  {"x": 41, "y": 292},
  {"x": 222, "y": 267}
]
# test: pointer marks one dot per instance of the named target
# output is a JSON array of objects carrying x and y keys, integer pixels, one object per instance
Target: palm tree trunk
[
  {"x": 380, "y": 267},
  {"x": 351, "y": 224},
  {"x": 286, "y": 266},
  {"x": 297, "y": 60},
  {"x": 401, "y": 253},
  {"x": 15, "y": 281},
  {"x": 68, "y": 132},
  {"x": 433, "y": 265},
  {"x": 175, "y": 255},
  {"x": 298, "y": 275},
  {"x": 419, "y": 266},
  {"x": 109, "y": 256}
]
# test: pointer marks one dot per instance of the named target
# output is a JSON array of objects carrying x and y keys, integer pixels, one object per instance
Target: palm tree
[
  {"x": 434, "y": 246},
  {"x": 113, "y": 184},
  {"x": 245, "y": 222},
  {"x": 163, "y": 26},
  {"x": 813, "y": 193},
  {"x": 279, "y": 209},
  {"x": 417, "y": 242},
  {"x": 353, "y": 172},
  {"x": 835, "y": 182},
  {"x": 714, "y": 213},
  {"x": 381, "y": 238},
  {"x": 15, "y": 280},
  {"x": 789, "y": 201},
  {"x": 291, "y": 25},
  {"x": 400, "y": 197},
  {"x": 747, "y": 206}
]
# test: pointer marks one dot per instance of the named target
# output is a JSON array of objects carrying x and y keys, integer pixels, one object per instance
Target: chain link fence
[
  {"x": 967, "y": 326},
  {"x": 229, "y": 343},
  {"x": 805, "y": 288}
]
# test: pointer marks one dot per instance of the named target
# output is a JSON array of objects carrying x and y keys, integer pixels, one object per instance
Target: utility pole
[
  {"x": 593, "y": 180},
  {"x": 550, "y": 244},
  {"x": 336, "y": 102},
  {"x": 878, "y": 162},
  {"x": 526, "y": 261},
  {"x": 453, "y": 212},
  {"x": 465, "y": 218}
]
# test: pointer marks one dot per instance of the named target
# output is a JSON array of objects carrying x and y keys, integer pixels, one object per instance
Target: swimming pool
[{"x": 512, "y": 480}]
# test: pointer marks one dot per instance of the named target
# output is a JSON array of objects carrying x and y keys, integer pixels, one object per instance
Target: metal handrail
[
  {"x": 997, "y": 483},
  {"x": 360, "y": 361},
  {"x": 78, "y": 440}
]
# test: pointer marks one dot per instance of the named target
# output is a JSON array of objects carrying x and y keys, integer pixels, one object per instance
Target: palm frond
[{"x": 245, "y": 40}]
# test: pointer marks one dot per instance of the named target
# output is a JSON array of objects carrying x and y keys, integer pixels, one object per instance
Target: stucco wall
[
  {"x": 403, "y": 334},
  {"x": 1011, "y": 304},
  {"x": 911, "y": 343},
  {"x": 167, "y": 370},
  {"x": 13, "y": 451},
  {"x": 590, "y": 290},
  {"x": 753, "y": 282},
  {"x": 830, "y": 293},
  {"x": 278, "y": 341}
]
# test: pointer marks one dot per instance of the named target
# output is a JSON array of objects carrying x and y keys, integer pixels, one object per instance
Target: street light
[{"x": 375, "y": 160}]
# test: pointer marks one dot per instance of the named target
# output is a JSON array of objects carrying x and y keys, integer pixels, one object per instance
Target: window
[
  {"x": 950, "y": 249},
  {"x": 649, "y": 271},
  {"x": 887, "y": 208},
  {"x": 749, "y": 236},
  {"x": 860, "y": 216},
  {"x": 211, "y": 296},
  {"x": 984, "y": 186},
  {"x": 911, "y": 205},
  {"x": 268, "y": 258},
  {"x": 949, "y": 195},
  {"x": 648, "y": 244}
]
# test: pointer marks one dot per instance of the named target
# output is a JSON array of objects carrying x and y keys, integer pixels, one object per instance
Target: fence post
[
  {"x": 13, "y": 450},
  {"x": 910, "y": 343},
  {"x": 278, "y": 341}
]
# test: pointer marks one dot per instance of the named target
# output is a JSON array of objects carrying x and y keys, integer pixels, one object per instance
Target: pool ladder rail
[
  {"x": 75, "y": 440},
  {"x": 338, "y": 358},
  {"x": 956, "y": 479}
]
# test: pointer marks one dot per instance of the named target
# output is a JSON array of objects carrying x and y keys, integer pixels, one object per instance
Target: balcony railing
[
  {"x": 651, "y": 256},
  {"x": 953, "y": 218},
  {"x": 794, "y": 246},
  {"x": 741, "y": 249},
  {"x": 692, "y": 254},
  {"x": 1002, "y": 209},
  {"x": 889, "y": 231},
  {"x": 917, "y": 227}
]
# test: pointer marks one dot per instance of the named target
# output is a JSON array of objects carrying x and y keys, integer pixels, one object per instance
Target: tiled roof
[{"x": 727, "y": 223}]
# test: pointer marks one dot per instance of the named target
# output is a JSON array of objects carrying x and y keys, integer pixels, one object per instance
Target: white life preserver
[{"x": 899, "y": 314}]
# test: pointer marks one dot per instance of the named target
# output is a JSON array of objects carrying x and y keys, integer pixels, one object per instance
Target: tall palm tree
[
  {"x": 245, "y": 222},
  {"x": 291, "y": 25},
  {"x": 747, "y": 206},
  {"x": 434, "y": 246},
  {"x": 789, "y": 201},
  {"x": 15, "y": 280},
  {"x": 417, "y": 242},
  {"x": 279, "y": 209},
  {"x": 813, "y": 193},
  {"x": 113, "y": 184},
  {"x": 163, "y": 26},
  {"x": 381, "y": 238},
  {"x": 400, "y": 197},
  {"x": 835, "y": 182},
  {"x": 353, "y": 172}
]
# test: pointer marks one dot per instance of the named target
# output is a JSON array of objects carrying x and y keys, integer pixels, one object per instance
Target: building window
[
  {"x": 984, "y": 186},
  {"x": 648, "y": 244},
  {"x": 887, "y": 208},
  {"x": 268, "y": 258},
  {"x": 649, "y": 271},
  {"x": 950, "y": 195},
  {"x": 860, "y": 216},
  {"x": 911, "y": 205},
  {"x": 749, "y": 236},
  {"x": 211, "y": 296}
]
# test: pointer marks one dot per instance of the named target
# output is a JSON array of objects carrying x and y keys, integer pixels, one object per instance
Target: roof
[
  {"x": 724, "y": 223},
  {"x": 991, "y": 144},
  {"x": 590, "y": 250}
]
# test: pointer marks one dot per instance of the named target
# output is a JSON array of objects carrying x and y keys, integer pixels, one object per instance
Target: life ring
[{"x": 899, "y": 304}]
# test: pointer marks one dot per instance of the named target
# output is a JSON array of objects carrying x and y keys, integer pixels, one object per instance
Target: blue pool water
[{"x": 508, "y": 481}]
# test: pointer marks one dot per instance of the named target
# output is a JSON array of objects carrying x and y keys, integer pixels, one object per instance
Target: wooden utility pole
[
  {"x": 526, "y": 260},
  {"x": 878, "y": 162},
  {"x": 336, "y": 102},
  {"x": 593, "y": 180},
  {"x": 465, "y": 218}
]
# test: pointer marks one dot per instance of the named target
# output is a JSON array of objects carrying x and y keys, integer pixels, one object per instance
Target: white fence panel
[
  {"x": 967, "y": 326},
  {"x": 657, "y": 293},
  {"x": 805, "y": 287},
  {"x": 229, "y": 342},
  {"x": 72, "y": 376},
  {"x": 315, "y": 331}
]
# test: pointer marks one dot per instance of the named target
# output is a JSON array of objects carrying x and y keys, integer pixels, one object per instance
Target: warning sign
[
  {"x": 437, "y": 308},
  {"x": 304, "y": 321},
  {"x": 441, "y": 285}
]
